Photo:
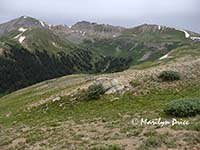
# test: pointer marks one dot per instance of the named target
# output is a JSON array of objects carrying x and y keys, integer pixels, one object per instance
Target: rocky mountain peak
[{"x": 23, "y": 21}]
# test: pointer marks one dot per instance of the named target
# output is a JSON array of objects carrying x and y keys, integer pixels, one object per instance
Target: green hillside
[
  {"x": 139, "y": 46},
  {"x": 44, "y": 55},
  {"x": 52, "y": 114},
  {"x": 41, "y": 39}
]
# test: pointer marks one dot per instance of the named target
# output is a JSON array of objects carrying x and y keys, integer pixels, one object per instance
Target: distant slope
[
  {"x": 22, "y": 21},
  {"x": 43, "y": 55},
  {"x": 20, "y": 67},
  {"x": 32, "y": 51},
  {"x": 86, "y": 30},
  {"x": 36, "y": 38},
  {"x": 142, "y": 43}
]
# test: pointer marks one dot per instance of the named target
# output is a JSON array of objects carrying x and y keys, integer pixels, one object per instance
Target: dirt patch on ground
[
  {"x": 70, "y": 135},
  {"x": 17, "y": 142}
]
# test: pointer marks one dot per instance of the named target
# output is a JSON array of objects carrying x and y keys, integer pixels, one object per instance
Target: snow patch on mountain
[
  {"x": 49, "y": 25},
  {"x": 163, "y": 57},
  {"x": 17, "y": 36},
  {"x": 83, "y": 34},
  {"x": 21, "y": 39},
  {"x": 195, "y": 38},
  {"x": 187, "y": 35},
  {"x": 22, "y": 29},
  {"x": 42, "y": 23},
  {"x": 159, "y": 27}
]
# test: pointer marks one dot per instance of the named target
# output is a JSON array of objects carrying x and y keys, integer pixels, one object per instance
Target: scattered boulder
[{"x": 111, "y": 85}]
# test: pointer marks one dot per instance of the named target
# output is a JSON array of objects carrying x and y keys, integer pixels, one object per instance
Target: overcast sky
[{"x": 175, "y": 13}]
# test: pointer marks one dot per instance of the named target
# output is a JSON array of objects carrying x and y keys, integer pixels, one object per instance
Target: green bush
[
  {"x": 183, "y": 107},
  {"x": 107, "y": 147},
  {"x": 153, "y": 141},
  {"x": 135, "y": 83},
  {"x": 94, "y": 91},
  {"x": 169, "y": 75}
]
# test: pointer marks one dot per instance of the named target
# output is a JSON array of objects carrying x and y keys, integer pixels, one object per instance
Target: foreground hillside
[{"x": 52, "y": 115}]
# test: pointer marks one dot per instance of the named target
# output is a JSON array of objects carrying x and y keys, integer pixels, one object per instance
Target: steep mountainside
[
  {"x": 30, "y": 54},
  {"x": 20, "y": 22},
  {"x": 32, "y": 51},
  {"x": 143, "y": 43},
  {"x": 20, "y": 67}
]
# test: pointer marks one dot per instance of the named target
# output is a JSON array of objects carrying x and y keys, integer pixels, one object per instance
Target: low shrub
[
  {"x": 94, "y": 91},
  {"x": 107, "y": 147},
  {"x": 169, "y": 75},
  {"x": 135, "y": 83},
  {"x": 183, "y": 107},
  {"x": 153, "y": 141}
]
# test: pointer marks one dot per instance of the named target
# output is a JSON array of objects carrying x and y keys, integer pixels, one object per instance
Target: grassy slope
[
  {"x": 192, "y": 49},
  {"x": 18, "y": 100},
  {"x": 51, "y": 115},
  {"x": 166, "y": 35},
  {"x": 136, "y": 45},
  {"x": 40, "y": 39},
  {"x": 43, "y": 39},
  {"x": 104, "y": 108}
]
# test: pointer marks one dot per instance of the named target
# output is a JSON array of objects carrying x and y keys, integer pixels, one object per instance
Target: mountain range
[{"x": 32, "y": 51}]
